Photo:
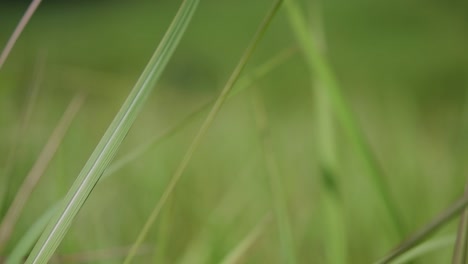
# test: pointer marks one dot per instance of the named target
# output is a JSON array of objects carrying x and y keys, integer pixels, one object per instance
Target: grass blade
[
  {"x": 18, "y": 30},
  {"x": 334, "y": 230},
  {"x": 101, "y": 255},
  {"x": 8, "y": 223},
  {"x": 460, "y": 254},
  {"x": 31, "y": 236},
  {"x": 229, "y": 208},
  {"x": 245, "y": 82},
  {"x": 110, "y": 142},
  {"x": 334, "y": 220},
  {"x": 276, "y": 185},
  {"x": 25, "y": 244},
  {"x": 236, "y": 255},
  {"x": 204, "y": 127},
  {"x": 426, "y": 231},
  {"x": 425, "y": 248},
  {"x": 324, "y": 73},
  {"x": 33, "y": 92},
  {"x": 460, "y": 249}
]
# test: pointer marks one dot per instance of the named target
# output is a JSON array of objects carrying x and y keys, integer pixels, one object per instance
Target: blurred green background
[{"x": 402, "y": 64}]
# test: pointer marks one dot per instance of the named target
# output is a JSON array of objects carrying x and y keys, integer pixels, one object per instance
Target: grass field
[{"x": 327, "y": 157}]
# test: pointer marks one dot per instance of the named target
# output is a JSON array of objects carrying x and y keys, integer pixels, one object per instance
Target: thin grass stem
[
  {"x": 455, "y": 209},
  {"x": 25, "y": 244},
  {"x": 229, "y": 207},
  {"x": 245, "y": 82},
  {"x": 100, "y": 255},
  {"x": 239, "y": 252},
  {"x": 18, "y": 30},
  {"x": 460, "y": 254},
  {"x": 276, "y": 184},
  {"x": 460, "y": 249},
  {"x": 204, "y": 127},
  {"x": 33, "y": 177},
  {"x": 425, "y": 248},
  {"x": 38, "y": 76}
]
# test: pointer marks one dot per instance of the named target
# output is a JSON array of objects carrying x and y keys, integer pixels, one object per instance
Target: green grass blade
[
  {"x": 276, "y": 185},
  {"x": 324, "y": 73},
  {"x": 204, "y": 127},
  {"x": 105, "y": 255},
  {"x": 245, "y": 82},
  {"x": 460, "y": 249},
  {"x": 229, "y": 208},
  {"x": 110, "y": 142},
  {"x": 37, "y": 79},
  {"x": 8, "y": 223},
  {"x": 425, "y": 248},
  {"x": 335, "y": 248},
  {"x": 426, "y": 231},
  {"x": 334, "y": 229},
  {"x": 26, "y": 242},
  {"x": 460, "y": 254},
  {"x": 18, "y": 30},
  {"x": 238, "y": 253}
]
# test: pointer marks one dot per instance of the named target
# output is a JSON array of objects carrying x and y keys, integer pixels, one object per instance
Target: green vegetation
[{"x": 340, "y": 134}]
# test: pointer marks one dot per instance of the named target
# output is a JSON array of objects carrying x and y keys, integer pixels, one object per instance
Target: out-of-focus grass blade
[
  {"x": 8, "y": 223},
  {"x": 334, "y": 220},
  {"x": 100, "y": 256},
  {"x": 110, "y": 142},
  {"x": 334, "y": 229},
  {"x": 227, "y": 210},
  {"x": 460, "y": 253},
  {"x": 33, "y": 92},
  {"x": 426, "y": 231},
  {"x": 236, "y": 255},
  {"x": 460, "y": 249},
  {"x": 204, "y": 127},
  {"x": 26, "y": 242},
  {"x": 19, "y": 28},
  {"x": 245, "y": 82},
  {"x": 278, "y": 194},
  {"x": 324, "y": 73},
  {"x": 425, "y": 248}
]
